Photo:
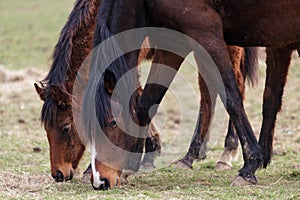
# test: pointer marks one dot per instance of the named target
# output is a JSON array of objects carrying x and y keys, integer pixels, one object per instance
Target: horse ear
[
  {"x": 109, "y": 81},
  {"x": 40, "y": 91},
  {"x": 61, "y": 96}
]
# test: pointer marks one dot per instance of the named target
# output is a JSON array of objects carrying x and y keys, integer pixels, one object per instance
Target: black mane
[{"x": 80, "y": 16}]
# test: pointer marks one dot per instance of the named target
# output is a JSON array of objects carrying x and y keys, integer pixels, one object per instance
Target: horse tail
[
  {"x": 81, "y": 16},
  {"x": 251, "y": 64}
]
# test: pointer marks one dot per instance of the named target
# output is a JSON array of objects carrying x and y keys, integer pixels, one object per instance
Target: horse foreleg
[
  {"x": 159, "y": 79},
  {"x": 278, "y": 61},
  {"x": 230, "y": 151},
  {"x": 152, "y": 142},
  {"x": 152, "y": 148}
]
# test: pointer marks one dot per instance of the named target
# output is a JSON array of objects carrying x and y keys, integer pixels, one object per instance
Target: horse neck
[
  {"x": 126, "y": 15},
  {"x": 82, "y": 46},
  {"x": 74, "y": 44}
]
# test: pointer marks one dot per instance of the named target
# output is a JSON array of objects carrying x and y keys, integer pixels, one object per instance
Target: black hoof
[
  {"x": 241, "y": 181},
  {"x": 221, "y": 166},
  {"x": 183, "y": 164},
  {"x": 249, "y": 178},
  {"x": 147, "y": 167},
  {"x": 103, "y": 186}
]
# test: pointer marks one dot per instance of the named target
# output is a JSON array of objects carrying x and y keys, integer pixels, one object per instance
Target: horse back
[{"x": 260, "y": 22}]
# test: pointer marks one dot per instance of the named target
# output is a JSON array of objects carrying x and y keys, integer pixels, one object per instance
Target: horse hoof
[
  {"x": 124, "y": 176},
  {"x": 86, "y": 178},
  {"x": 147, "y": 167},
  {"x": 240, "y": 181},
  {"x": 182, "y": 165},
  {"x": 222, "y": 166}
]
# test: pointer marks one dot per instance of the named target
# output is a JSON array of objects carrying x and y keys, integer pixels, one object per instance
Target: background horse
[{"x": 66, "y": 147}]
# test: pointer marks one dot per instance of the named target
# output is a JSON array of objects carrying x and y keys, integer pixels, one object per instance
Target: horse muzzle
[{"x": 60, "y": 177}]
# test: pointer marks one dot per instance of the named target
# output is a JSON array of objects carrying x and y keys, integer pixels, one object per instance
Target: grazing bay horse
[
  {"x": 75, "y": 43},
  {"x": 217, "y": 23},
  {"x": 71, "y": 51}
]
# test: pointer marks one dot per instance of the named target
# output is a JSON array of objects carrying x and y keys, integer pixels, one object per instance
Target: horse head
[
  {"x": 66, "y": 147},
  {"x": 114, "y": 146}
]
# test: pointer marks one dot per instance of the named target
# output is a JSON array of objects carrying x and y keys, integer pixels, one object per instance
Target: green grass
[
  {"x": 29, "y": 30},
  {"x": 28, "y": 33}
]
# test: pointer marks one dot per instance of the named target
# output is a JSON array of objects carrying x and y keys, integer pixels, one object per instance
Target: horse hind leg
[
  {"x": 230, "y": 152},
  {"x": 198, "y": 146},
  {"x": 212, "y": 40},
  {"x": 278, "y": 61}
]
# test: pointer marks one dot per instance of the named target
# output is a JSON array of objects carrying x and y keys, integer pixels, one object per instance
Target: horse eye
[
  {"x": 113, "y": 124},
  {"x": 66, "y": 129}
]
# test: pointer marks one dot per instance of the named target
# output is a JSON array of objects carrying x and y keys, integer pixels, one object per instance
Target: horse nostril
[
  {"x": 105, "y": 185},
  {"x": 70, "y": 177},
  {"x": 59, "y": 177},
  {"x": 71, "y": 174}
]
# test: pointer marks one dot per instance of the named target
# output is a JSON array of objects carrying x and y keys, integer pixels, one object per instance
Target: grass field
[{"x": 28, "y": 33}]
